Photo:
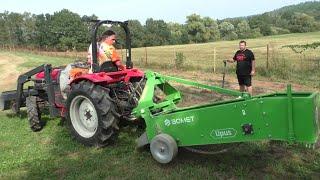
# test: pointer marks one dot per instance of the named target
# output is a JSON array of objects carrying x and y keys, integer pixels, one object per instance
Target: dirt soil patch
[{"x": 9, "y": 72}]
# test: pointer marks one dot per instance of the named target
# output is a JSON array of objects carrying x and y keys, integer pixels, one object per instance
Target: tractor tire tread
[
  {"x": 106, "y": 132},
  {"x": 34, "y": 114}
]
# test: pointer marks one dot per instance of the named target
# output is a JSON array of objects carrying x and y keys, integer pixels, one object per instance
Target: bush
[
  {"x": 281, "y": 67},
  {"x": 179, "y": 60},
  {"x": 278, "y": 30}
]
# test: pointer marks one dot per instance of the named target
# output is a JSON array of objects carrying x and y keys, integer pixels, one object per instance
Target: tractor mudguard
[{"x": 110, "y": 77}]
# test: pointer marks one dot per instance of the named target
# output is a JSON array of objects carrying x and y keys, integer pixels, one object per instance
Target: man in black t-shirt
[{"x": 246, "y": 67}]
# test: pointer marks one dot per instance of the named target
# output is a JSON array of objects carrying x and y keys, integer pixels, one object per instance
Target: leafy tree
[
  {"x": 179, "y": 34},
  {"x": 42, "y": 33},
  {"x": 87, "y": 21},
  {"x": 243, "y": 29},
  {"x": 202, "y": 29},
  {"x": 195, "y": 27},
  {"x": 278, "y": 30},
  {"x": 14, "y": 22},
  {"x": 211, "y": 29},
  {"x": 68, "y": 30},
  {"x": 4, "y": 29},
  {"x": 28, "y": 26},
  {"x": 263, "y": 22},
  {"x": 137, "y": 33},
  {"x": 227, "y": 31},
  {"x": 255, "y": 33},
  {"x": 157, "y": 33},
  {"x": 301, "y": 22}
]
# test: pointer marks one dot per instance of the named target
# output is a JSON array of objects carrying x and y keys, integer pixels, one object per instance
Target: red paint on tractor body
[
  {"x": 54, "y": 74},
  {"x": 110, "y": 77},
  {"x": 101, "y": 77}
]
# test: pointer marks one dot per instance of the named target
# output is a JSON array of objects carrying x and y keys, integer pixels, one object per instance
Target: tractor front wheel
[
  {"x": 91, "y": 116},
  {"x": 34, "y": 114}
]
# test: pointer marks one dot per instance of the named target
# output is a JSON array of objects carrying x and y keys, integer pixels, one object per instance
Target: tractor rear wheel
[
  {"x": 91, "y": 114},
  {"x": 34, "y": 114}
]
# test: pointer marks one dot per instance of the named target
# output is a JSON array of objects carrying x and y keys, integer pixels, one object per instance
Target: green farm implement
[{"x": 289, "y": 116}]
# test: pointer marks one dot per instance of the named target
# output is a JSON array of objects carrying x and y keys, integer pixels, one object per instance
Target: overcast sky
[{"x": 168, "y": 10}]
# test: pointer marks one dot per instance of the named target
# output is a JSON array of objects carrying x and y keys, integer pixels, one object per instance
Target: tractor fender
[
  {"x": 133, "y": 73},
  {"x": 111, "y": 77},
  {"x": 95, "y": 78}
]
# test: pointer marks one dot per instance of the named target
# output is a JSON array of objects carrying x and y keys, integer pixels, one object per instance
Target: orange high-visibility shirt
[
  {"x": 100, "y": 54},
  {"x": 110, "y": 53}
]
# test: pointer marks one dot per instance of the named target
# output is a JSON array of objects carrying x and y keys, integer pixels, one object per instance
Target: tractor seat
[{"x": 108, "y": 66}]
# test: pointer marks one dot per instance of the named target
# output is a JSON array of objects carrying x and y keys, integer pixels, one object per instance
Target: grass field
[
  {"x": 284, "y": 64},
  {"x": 52, "y": 154}
]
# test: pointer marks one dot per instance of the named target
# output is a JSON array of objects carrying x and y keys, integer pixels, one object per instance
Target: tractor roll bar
[{"x": 124, "y": 25}]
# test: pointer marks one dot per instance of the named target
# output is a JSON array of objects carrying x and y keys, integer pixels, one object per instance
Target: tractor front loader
[{"x": 95, "y": 104}]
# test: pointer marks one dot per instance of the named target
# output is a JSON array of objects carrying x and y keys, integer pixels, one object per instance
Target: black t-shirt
[{"x": 244, "y": 61}]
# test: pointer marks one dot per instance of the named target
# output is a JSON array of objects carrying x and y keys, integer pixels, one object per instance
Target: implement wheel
[{"x": 163, "y": 148}]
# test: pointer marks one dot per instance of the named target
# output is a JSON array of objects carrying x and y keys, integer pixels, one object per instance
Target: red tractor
[{"x": 94, "y": 102}]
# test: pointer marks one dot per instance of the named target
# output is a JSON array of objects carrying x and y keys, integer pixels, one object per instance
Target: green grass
[
  {"x": 31, "y": 60},
  {"x": 52, "y": 154}
]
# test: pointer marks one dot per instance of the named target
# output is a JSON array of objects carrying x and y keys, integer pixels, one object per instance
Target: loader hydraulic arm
[{"x": 23, "y": 78}]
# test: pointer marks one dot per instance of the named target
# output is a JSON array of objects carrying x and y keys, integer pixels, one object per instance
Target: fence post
[
  {"x": 267, "y": 56},
  {"x": 174, "y": 56},
  {"x": 214, "y": 59},
  {"x": 146, "y": 54}
]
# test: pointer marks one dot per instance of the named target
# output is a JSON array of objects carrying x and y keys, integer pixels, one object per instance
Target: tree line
[{"x": 65, "y": 30}]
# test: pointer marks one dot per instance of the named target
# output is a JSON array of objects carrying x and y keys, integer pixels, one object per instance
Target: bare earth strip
[
  {"x": 261, "y": 86},
  {"x": 8, "y": 71}
]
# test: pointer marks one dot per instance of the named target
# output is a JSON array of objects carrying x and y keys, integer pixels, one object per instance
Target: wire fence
[{"x": 272, "y": 60}]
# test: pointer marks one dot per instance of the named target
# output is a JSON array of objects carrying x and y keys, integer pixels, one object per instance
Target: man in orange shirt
[{"x": 106, "y": 50}]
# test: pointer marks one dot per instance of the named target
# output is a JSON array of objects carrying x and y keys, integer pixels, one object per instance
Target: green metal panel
[
  {"x": 203, "y": 125},
  {"x": 286, "y": 116}
]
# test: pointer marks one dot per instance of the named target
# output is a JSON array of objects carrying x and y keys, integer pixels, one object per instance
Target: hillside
[{"x": 311, "y": 8}]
